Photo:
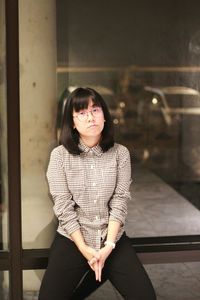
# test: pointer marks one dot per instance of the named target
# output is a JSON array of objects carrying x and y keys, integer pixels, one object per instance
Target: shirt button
[
  {"x": 93, "y": 183},
  {"x": 99, "y": 231},
  {"x": 97, "y": 217},
  {"x": 95, "y": 201},
  {"x": 92, "y": 166}
]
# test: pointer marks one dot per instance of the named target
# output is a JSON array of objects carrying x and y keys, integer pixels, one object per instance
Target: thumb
[
  {"x": 92, "y": 261},
  {"x": 96, "y": 255}
]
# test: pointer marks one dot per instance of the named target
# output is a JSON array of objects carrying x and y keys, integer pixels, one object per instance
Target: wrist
[{"x": 109, "y": 244}]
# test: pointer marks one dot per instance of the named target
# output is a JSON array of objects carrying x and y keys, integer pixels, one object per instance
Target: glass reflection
[
  {"x": 4, "y": 288},
  {"x": 154, "y": 123},
  {"x": 152, "y": 90},
  {"x": 3, "y": 136},
  {"x": 31, "y": 284}
]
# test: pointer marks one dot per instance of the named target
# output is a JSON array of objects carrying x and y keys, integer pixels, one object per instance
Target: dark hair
[{"x": 77, "y": 100}]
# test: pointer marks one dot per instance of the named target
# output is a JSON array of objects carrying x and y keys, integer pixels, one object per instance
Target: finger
[
  {"x": 92, "y": 261},
  {"x": 92, "y": 267},
  {"x": 100, "y": 269},
  {"x": 96, "y": 272}
]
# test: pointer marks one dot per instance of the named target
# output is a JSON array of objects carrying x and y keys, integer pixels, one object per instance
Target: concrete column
[{"x": 38, "y": 111}]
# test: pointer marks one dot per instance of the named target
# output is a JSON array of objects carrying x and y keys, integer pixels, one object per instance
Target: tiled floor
[
  {"x": 156, "y": 209},
  {"x": 179, "y": 281}
]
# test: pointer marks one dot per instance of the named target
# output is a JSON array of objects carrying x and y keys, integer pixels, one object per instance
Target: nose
[{"x": 90, "y": 116}]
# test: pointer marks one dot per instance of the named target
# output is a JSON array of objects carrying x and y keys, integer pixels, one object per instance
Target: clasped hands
[{"x": 96, "y": 259}]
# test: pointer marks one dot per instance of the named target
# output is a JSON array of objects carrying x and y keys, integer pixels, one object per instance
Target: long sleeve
[
  {"x": 62, "y": 198},
  {"x": 118, "y": 202}
]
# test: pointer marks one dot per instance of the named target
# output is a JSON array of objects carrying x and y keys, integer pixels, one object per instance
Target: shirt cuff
[
  {"x": 120, "y": 219},
  {"x": 71, "y": 227}
]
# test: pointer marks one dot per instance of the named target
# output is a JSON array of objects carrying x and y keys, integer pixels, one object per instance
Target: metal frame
[
  {"x": 13, "y": 138},
  {"x": 150, "y": 249}
]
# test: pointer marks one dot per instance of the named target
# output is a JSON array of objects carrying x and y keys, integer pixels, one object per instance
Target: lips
[{"x": 91, "y": 126}]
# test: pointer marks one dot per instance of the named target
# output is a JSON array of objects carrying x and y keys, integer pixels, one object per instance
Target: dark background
[{"x": 120, "y": 34}]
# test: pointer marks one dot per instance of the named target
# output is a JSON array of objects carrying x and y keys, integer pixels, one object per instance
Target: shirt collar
[{"x": 97, "y": 150}]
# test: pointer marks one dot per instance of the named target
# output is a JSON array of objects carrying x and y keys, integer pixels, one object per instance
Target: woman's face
[{"x": 89, "y": 122}]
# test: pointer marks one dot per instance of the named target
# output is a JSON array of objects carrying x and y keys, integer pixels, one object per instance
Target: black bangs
[
  {"x": 82, "y": 103},
  {"x": 81, "y": 100},
  {"x": 79, "y": 103}
]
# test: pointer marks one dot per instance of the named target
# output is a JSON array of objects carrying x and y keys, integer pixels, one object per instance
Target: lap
[
  {"x": 65, "y": 269},
  {"x": 127, "y": 274},
  {"x": 65, "y": 254}
]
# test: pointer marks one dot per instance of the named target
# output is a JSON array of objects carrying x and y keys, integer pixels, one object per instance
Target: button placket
[
  {"x": 93, "y": 170},
  {"x": 96, "y": 197}
]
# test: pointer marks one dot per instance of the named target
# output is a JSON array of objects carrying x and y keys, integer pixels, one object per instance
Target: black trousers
[{"x": 68, "y": 275}]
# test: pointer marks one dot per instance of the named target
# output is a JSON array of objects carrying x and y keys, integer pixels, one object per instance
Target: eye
[
  {"x": 95, "y": 109},
  {"x": 82, "y": 113}
]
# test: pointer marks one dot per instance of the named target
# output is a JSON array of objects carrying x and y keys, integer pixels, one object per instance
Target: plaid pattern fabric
[{"x": 89, "y": 189}]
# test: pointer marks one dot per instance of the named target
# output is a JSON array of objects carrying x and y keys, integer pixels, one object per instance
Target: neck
[{"x": 90, "y": 141}]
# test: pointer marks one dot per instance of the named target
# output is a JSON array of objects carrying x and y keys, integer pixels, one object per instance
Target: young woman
[{"x": 89, "y": 178}]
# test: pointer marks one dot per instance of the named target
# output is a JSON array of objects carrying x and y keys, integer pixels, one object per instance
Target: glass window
[
  {"x": 137, "y": 56},
  {"x": 4, "y": 286},
  {"x": 143, "y": 58},
  {"x": 146, "y": 68},
  {"x": 3, "y": 136},
  {"x": 31, "y": 284}
]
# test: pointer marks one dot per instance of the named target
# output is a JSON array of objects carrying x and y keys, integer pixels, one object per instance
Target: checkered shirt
[{"x": 90, "y": 189}]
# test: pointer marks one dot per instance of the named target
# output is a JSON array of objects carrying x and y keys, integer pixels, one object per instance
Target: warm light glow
[
  {"x": 116, "y": 121},
  {"x": 122, "y": 104},
  {"x": 146, "y": 154},
  {"x": 154, "y": 100}
]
